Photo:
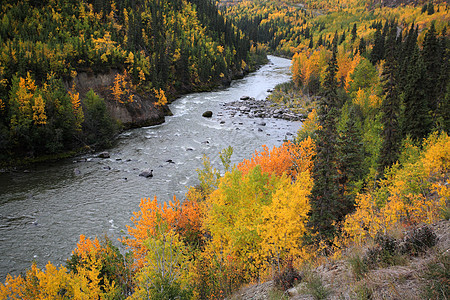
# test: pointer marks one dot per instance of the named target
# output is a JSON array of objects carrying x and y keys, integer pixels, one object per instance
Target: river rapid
[{"x": 44, "y": 209}]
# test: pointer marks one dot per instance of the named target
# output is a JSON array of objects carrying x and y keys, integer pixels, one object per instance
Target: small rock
[
  {"x": 207, "y": 114},
  {"x": 104, "y": 155},
  {"x": 147, "y": 174},
  {"x": 170, "y": 161},
  {"x": 245, "y": 97}
]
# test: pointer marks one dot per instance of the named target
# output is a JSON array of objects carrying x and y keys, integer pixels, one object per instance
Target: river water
[{"x": 44, "y": 209}]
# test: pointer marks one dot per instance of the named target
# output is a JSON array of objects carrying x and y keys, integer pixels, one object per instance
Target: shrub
[
  {"x": 418, "y": 240},
  {"x": 287, "y": 278}
]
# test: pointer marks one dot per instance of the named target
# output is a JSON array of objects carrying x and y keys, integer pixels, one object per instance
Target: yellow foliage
[
  {"x": 412, "y": 193},
  {"x": 121, "y": 88},
  {"x": 285, "y": 218},
  {"x": 161, "y": 96},
  {"x": 39, "y": 116}
]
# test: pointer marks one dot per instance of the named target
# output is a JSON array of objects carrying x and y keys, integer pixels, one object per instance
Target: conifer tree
[
  {"x": 416, "y": 119},
  {"x": 325, "y": 206},
  {"x": 350, "y": 161},
  {"x": 362, "y": 46},
  {"x": 377, "y": 53},
  {"x": 390, "y": 106},
  {"x": 431, "y": 56},
  {"x": 354, "y": 31}
]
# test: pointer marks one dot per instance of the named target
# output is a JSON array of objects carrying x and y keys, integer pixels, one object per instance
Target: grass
[
  {"x": 312, "y": 284},
  {"x": 358, "y": 266},
  {"x": 435, "y": 278}
]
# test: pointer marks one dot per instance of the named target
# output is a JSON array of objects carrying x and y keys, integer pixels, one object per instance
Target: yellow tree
[{"x": 284, "y": 219}]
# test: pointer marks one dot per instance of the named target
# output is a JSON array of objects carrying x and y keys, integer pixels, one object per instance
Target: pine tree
[{"x": 325, "y": 206}]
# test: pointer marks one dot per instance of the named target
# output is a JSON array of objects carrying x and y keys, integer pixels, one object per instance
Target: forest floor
[{"x": 337, "y": 279}]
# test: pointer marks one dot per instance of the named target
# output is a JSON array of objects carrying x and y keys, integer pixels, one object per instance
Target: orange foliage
[
  {"x": 86, "y": 246},
  {"x": 289, "y": 158},
  {"x": 185, "y": 218}
]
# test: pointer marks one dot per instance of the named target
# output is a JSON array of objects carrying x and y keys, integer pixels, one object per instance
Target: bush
[
  {"x": 287, "y": 278},
  {"x": 418, "y": 240},
  {"x": 385, "y": 253}
]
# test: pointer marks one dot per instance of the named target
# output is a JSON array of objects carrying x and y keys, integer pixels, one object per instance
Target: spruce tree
[
  {"x": 325, "y": 206},
  {"x": 362, "y": 46},
  {"x": 350, "y": 162},
  {"x": 431, "y": 56},
  {"x": 354, "y": 32},
  {"x": 377, "y": 53},
  {"x": 443, "y": 98},
  {"x": 416, "y": 119},
  {"x": 390, "y": 107}
]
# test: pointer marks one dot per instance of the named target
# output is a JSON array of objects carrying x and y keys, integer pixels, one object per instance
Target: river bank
[{"x": 44, "y": 210}]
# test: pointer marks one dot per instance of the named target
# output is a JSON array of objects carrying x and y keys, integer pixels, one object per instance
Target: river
[{"x": 44, "y": 209}]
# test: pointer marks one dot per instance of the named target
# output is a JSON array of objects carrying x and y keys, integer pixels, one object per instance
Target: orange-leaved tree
[{"x": 290, "y": 158}]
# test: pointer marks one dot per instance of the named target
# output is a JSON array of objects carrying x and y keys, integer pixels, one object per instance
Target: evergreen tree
[
  {"x": 362, "y": 46},
  {"x": 377, "y": 53},
  {"x": 350, "y": 161},
  {"x": 416, "y": 119},
  {"x": 390, "y": 107},
  {"x": 311, "y": 43},
  {"x": 325, "y": 206},
  {"x": 354, "y": 32},
  {"x": 430, "y": 8},
  {"x": 432, "y": 58},
  {"x": 443, "y": 98}
]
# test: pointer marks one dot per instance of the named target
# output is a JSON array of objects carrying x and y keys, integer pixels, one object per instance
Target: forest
[
  {"x": 371, "y": 159},
  {"x": 157, "y": 48}
]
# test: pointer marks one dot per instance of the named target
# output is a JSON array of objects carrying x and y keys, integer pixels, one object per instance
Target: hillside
[
  {"x": 135, "y": 55},
  {"x": 412, "y": 277}
]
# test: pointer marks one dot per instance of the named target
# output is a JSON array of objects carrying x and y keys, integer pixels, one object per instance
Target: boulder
[
  {"x": 207, "y": 114},
  {"x": 245, "y": 97}
]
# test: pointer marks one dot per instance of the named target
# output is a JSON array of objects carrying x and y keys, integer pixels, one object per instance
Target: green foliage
[
  {"x": 175, "y": 46},
  {"x": 98, "y": 126},
  {"x": 314, "y": 286}
]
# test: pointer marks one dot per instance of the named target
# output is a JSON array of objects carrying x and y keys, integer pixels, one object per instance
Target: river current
[{"x": 44, "y": 209}]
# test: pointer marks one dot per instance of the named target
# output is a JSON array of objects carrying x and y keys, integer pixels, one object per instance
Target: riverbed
[{"x": 44, "y": 209}]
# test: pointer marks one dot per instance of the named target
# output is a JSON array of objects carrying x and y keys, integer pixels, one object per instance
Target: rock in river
[
  {"x": 207, "y": 114},
  {"x": 104, "y": 155},
  {"x": 147, "y": 174}
]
